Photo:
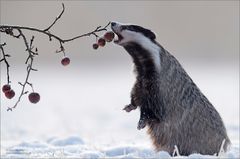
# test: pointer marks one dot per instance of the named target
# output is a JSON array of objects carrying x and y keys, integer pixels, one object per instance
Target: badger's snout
[
  {"x": 116, "y": 28},
  {"x": 113, "y": 24}
]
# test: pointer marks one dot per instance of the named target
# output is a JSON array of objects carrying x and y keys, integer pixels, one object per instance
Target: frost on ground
[{"x": 75, "y": 147}]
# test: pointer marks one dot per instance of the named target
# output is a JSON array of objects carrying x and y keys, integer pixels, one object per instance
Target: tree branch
[
  {"x": 63, "y": 9},
  {"x": 10, "y": 30},
  {"x": 29, "y": 61},
  {"x": 98, "y": 29},
  {"x": 4, "y": 58}
]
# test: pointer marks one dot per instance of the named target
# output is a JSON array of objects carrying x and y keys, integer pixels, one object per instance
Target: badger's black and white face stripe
[{"x": 133, "y": 34}]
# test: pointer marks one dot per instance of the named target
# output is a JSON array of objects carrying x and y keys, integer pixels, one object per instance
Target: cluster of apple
[
  {"x": 107, "y": 37},
  {"x": 34, "y": 97},
  {"x": 9, "y": 93}
]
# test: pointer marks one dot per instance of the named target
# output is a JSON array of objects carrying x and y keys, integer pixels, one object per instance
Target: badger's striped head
[
  {"x": 139, "y": 42},
  {"x": 131, "y": 34}
]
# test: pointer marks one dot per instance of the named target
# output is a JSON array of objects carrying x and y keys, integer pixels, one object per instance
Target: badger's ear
[
  {"x": 148, "y": 33},
  {"x": 151, "y": 35}
]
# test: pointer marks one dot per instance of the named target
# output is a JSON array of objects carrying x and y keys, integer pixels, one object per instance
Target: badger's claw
[
  {"x": 129, "y": 107},
  {"x": 141, "y": 124}
]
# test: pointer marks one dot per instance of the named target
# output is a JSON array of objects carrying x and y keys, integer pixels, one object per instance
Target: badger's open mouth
[
  {"x": 119, "y": 37},
  {"x": 117, "y": 31}
]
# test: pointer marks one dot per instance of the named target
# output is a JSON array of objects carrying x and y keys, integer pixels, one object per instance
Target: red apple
[
  {"x": 10, "y": 94},
  {"x": 65, "y": 61},
  {"x": 34, "y": 97},
  {"x": 6, "y": 88},
  {"x": 101, "y": 42},
  {"x": 109, "y": 36}
]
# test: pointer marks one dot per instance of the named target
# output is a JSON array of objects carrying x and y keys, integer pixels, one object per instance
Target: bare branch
[
  {"x": 63, "y": 9},
  {"x": 98, "y": 29},
  {"x": 29, "y": 67},
  {"x": 17, "y": 32},
  {"x": 5, "y": 60}
]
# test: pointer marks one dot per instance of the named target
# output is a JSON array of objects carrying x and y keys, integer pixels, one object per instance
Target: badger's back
[{"x": 190, "y": 121}]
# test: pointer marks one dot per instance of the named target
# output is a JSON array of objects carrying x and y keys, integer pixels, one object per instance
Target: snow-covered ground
[
  {"x": 81, "y": 117},
  {"x": 74, "y": 147}
]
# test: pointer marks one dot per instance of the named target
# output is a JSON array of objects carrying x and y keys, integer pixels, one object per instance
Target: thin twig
[
  {"x": 29, "y": 68},
  {"x": 63, "y": 9},
  {"x": 5, "y": 60},
  {"x": 98, "y": 29}
]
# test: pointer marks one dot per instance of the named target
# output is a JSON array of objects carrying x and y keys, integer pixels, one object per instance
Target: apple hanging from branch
[{"x": 18, "y": 32}]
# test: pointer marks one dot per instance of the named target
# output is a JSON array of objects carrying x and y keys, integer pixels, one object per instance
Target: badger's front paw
[
  {"x": 141, "y": 124},
  {"x": 129, "y": 107}
]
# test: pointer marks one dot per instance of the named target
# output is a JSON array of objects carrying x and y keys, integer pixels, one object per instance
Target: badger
[{"x": 172, "y": 107}]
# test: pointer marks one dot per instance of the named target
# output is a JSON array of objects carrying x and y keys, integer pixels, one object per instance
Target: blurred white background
[{"x": 86, "y": 98}]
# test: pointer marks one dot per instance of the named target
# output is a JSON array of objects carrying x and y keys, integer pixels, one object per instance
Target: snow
[
  {"x": 75, "y": 126},
  {"x": 72, "y": 140},
  {"x": 74, "y": 147}
]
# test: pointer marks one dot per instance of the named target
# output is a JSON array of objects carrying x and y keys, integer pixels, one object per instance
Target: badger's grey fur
[{"x": 171, "y": 105}]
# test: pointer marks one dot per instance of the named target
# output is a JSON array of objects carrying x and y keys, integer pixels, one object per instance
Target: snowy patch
[
  {"x": 73, "y": 140},
  {"x": 74, "y": 147},
  {"x": 101, "y": 129}
]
